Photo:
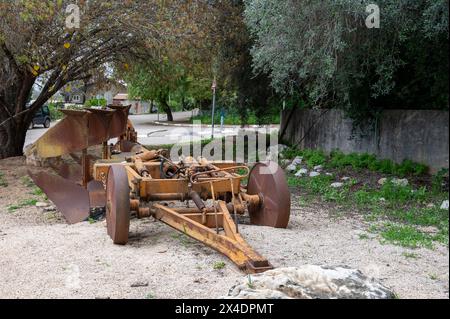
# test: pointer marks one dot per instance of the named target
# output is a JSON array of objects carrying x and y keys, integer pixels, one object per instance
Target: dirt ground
[{"x": 43, "y": 257}]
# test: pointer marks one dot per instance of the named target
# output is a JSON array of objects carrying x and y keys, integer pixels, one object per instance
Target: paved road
[{"x": 150, "y": 133}]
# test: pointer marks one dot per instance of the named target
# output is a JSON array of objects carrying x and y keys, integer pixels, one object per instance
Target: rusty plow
[{"x": 207, "y": 199}]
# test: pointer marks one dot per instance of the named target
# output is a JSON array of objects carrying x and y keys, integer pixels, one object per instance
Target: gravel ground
[{"x": 42, "y": 257}]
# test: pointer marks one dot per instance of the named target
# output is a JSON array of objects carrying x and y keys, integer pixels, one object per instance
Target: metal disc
[
  {"x": 269, "y": 182},
  {"x": 118, "y": 205}
]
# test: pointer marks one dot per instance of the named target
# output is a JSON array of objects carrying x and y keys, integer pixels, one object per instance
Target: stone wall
[{"x": 418, "y": 135}]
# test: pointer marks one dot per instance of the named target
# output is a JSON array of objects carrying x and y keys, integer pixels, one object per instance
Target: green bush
[
  {"x": 55, "y": 111},
  {"x": 438, "y": 181},
  {"x": 338, "y": 159},
  {"x": 96, "y": 102}
]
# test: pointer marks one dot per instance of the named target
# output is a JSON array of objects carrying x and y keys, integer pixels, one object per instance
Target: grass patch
[
  {"x": 37, "y": 191},
  {"x": 357, "y": 161},
  {"x": 406, "y": 236},
  {"x": 410, "y": 255},
  {"x": 183, "y": 239},
  {"x": 364, "y": 236},
  {"x": 404, "y": 208},
  {"x": 219, "y": 265},
  {"x": 235, "y": 119},
  {"x": 434, "y": 277},
  {"x": 27, "y": 181},
  {"x": 3, "y": 182},
  {"x": 25, "y": 203}
]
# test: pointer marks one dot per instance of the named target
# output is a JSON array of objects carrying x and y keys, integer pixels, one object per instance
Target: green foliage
[
  {"x": 55, "y": 112},
  {"x": 407, "y": 208},
  {"x": 27, "y": 181},
  {"x": 406, "y": 236},
  {"x": 96, "y": 102},
  {"x": 37, "y": 191},
  {"x": 338, "y": 159},
  {"x": 311, "y": 157},
  {"x": 22, "y": 204},
  {"x": 401, "y": 194},
  {"x": 219, "y": 265},
  {"x": 326, "y": 52},
  {"x": 3, "y": 181},
  {"x": 233, "y": 118},
  {"x": 440, "y": 180}
]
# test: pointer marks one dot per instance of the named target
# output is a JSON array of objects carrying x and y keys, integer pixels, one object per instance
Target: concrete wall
[{"x": 418, "y": 135}]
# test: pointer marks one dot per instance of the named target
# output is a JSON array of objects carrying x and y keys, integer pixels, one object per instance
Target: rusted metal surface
[
  {"x": 230, "y": 244},
  {"x": 69, "y": 171},
  {"x": 71, "y": 199},
  {"x": 97, "y": 194},
  {"x": 81, "y": 129},
  {"x": 99, "y": 126},
  {"x": 67, "y": 136},
  {"x": 133, "y": 181},
  {"x": 269, "y": 182},
  {"x": 118, "y": 205},
  {"x": 119, "y": 120}
]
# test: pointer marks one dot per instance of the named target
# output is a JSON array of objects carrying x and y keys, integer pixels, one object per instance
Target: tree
[
  {"x": 154, "y": 81},
  {"x": 324, "y": 49},
  {"x": 249, "y": 90},
  {"x": 37, "y": 46}
]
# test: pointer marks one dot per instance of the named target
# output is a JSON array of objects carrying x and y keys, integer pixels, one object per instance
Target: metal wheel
[
  {"x": 118, "y": 205},
  {"x": 269, "y": 182}
]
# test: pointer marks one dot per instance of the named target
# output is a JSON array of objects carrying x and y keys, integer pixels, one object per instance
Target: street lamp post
[{"x": 214, "y": 86}]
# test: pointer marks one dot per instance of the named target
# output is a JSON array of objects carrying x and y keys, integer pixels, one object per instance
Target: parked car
[{"x": 42, "y": 117}]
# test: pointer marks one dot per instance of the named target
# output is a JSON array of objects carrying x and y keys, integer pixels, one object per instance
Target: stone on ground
[
  {"x": 444, "y": 205},
  {"x": 291, "y": 168},
  {"x": 297, "y": 161},
  {"x": 314, "y": 174},
  {"x": 302, "y": 172},
  {"x": 396, "y": 181},
  {"x": 337, "y": 185},
  {"x": 310, "y": 282}
]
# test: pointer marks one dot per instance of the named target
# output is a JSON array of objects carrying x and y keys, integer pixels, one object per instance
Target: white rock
[
  {"x": 291, "y": 168},
  {"x": 310, "y": 282},
  {"x": 297, "y": 161},
  {"x": 285, "y": 162},
  {"x": 329, "y": 174},
  {"x": 314, "y": 174},
  {"x": 337, "y": 185},
  {"x": 302, "y": 172},
  {"x": 42, "y": 204},
  {"x": 400, "y": 182},
  {"x": 318, "y": 168},
  {"x": 382, "y": 199},
  {"x": 444, "y": 205},
  {"x": 345, "y": 179},
  {"x": 396, "y": 181}
]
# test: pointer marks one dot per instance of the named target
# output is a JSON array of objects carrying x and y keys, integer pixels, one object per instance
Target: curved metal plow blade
[
  {"x": 82, "y": 129},
  {"x": 71, "y": 199},
  {"x": 119, "y": 120},
  {"x": 72, "y": 172},
  {"x": 67, "y": 136}
]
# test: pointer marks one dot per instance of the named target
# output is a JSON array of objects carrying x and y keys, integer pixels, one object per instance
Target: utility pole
[{"x": 214, "y": 86}]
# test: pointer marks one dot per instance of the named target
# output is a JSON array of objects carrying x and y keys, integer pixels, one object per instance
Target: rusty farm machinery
[{"x": 129, "y": 181}]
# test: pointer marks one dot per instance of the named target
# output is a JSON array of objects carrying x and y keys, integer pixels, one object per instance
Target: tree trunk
[
  {"x": 167, "y": 109},
  {"x": 12, "y": 139}
]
